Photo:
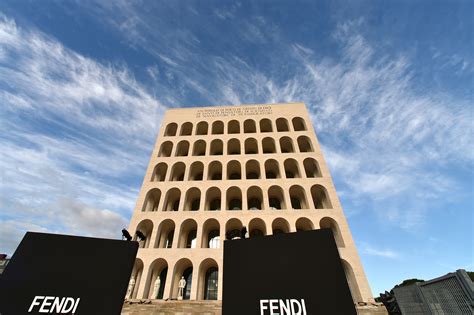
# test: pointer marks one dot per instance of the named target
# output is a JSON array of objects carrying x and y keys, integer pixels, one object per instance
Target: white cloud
[
  {"x": 385, "y": 253},
  {"x": 74, "y": 129}
]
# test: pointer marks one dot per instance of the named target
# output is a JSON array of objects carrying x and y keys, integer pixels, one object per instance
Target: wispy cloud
[
  {"x": 72, "y": 130},
  {"x": 385, "y": 253}
]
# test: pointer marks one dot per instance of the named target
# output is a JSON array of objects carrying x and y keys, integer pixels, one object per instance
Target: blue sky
[{"x": 84, "y": 84}]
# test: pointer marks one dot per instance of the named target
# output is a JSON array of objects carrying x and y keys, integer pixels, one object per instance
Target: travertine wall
[{"x": 270, "y": 160}]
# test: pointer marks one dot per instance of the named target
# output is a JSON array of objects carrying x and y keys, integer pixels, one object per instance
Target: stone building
[{"x": 214, "y": 170}]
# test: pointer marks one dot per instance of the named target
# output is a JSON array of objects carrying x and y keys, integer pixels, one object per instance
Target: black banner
[
  {"x": 287, "y": 274},
  {"x": 61, "y": 274}
]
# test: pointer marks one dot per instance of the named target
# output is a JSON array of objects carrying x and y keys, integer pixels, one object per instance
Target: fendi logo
[
  {"x": 54, "y": 304},
  {"x": 282, "y": 307}
]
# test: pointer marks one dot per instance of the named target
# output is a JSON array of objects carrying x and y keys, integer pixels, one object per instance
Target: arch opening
[
  {"x": 251, "y": 146},
  {"x": 211, "y": 234},
  {"x": 282, "y": 124},
  {"x": 196, "y": 171},
  {"x": 159, "y": 172},
  {"x": 286, "y": 145},
  {"x": 177, "y": 172},
  {"x": 272, "y": 169},
  {"x": 146, "y": 227},
  {"x": 171, "y": 130},
  {"x": 254, "y": 198},
  {"x": 266, "y": 125},
  {"x": 199, "y": 148},
  {"x": 202, "y": 128},
  {"x": 183, "y": 268},
  {"x": 187, "y": 235},
  {"x": 233, "y": 229},
  {"x": 154, "y": 289},
  {"x": 330, "y": 223},
  {"x": 182, "y": 148},
  {"x": 320, "y": 197},
  {"x": 304, "y": 144},
  {"x": 152, "y": 200},
  {"x": 280, "y": 225},
  {"x": 291, "y": 169},
  {"x": 215, "y": 171},
  {"x": 234, "y": 198},
  {"x": 213, "y": 199},
  {"x": 252, "y": 169},
  {"x": 136, "y": 276},
  {"x": 165, "y": 234},
  {"x": 276, "y": 198},
  {"x": 217, "y": 147},
  {"x": 299, "y": 124},
  {"x": 311, "y": 168},
  {"x": 351, "y": 281},
  {"x": 165, "y": 149},
  {"x": 234, "y": 170},
  {"x": 193, "y": 199},
  {"x": 217, "y": 128},
  {"x": 233, "y": 127},
  {"x": 233, "y": 147},
  {"x": 208, "y": 276},
  {"x": 304, "y": 224},
  {"x": 249, "y": 126},
  {"x": 173, "y": 197},
  {"x": 268, "y": 145},
  {"x": 298, "y": 197},
  {"x": 186, "y": 129},
  {"x": 257, "y": 228}
]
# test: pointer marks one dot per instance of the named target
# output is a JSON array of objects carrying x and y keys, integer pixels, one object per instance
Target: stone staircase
[{"x": 160, "y": 307}]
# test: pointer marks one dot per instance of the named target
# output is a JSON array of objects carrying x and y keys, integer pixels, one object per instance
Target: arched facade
[{"x": 260, "y": 167}]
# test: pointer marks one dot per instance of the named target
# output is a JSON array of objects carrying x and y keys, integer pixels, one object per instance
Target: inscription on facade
[{"x": 234, "y": 111}]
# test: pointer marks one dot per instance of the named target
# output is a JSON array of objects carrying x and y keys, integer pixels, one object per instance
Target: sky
[{"x": 388, "y": 84}]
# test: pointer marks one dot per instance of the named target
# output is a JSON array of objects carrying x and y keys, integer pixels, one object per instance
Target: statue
[
  {"x": 181, "y": 285},
  {"x": 131, "y": 285},
  {"x": 156, "y": 288}
]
